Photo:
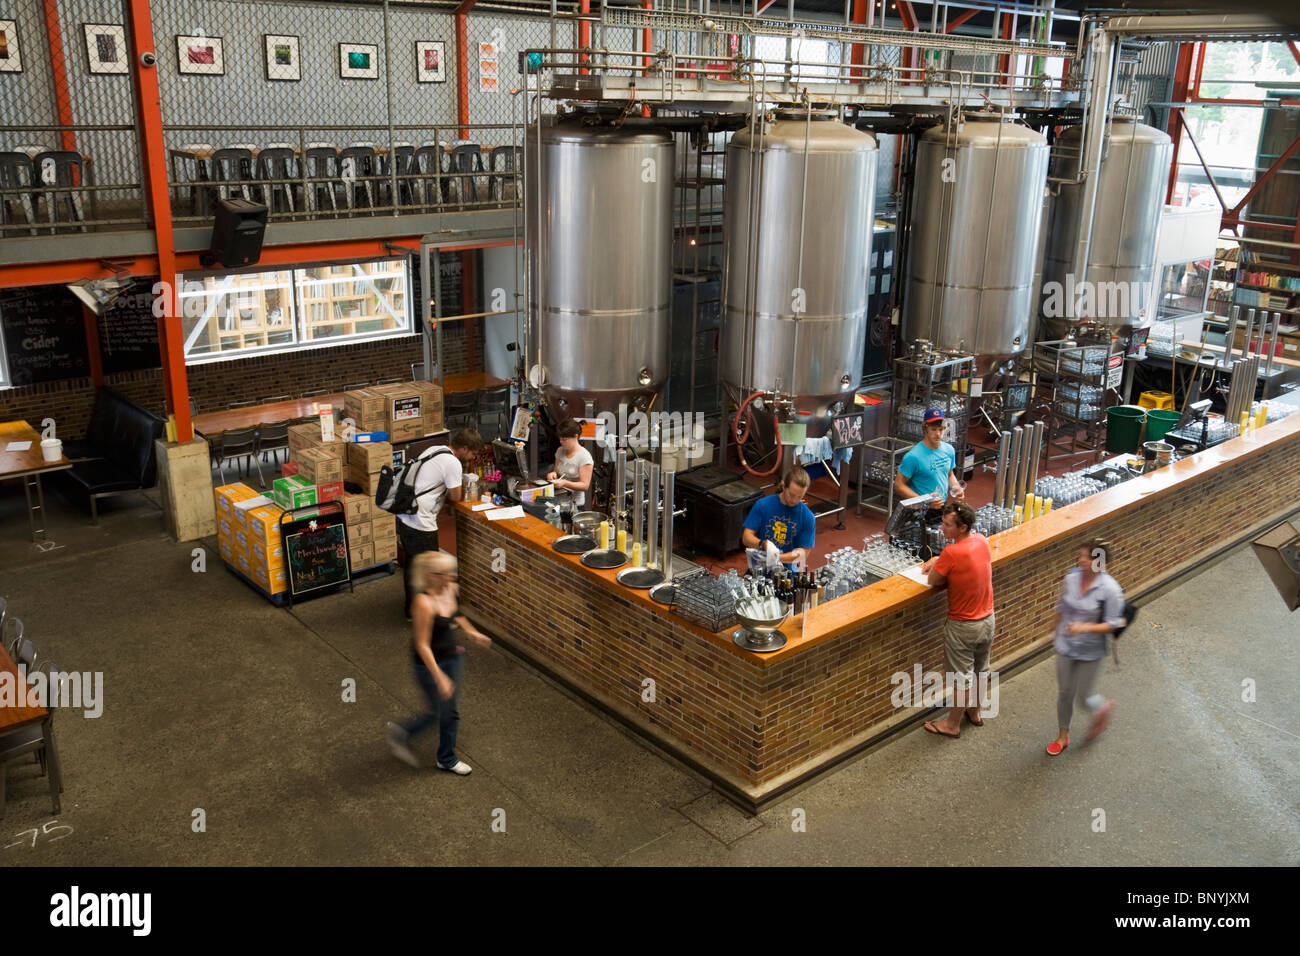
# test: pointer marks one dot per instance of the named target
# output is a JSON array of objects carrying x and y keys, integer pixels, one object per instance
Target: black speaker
[{"x": 237, "y": 233}]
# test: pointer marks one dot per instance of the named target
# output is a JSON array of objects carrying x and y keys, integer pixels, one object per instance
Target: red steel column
[
  {"x": 59, "y": 73},
  {"x": 462, "y": 66},
  {"x": 153, "y": 163},
  {"x": 1182, "y": 82}
]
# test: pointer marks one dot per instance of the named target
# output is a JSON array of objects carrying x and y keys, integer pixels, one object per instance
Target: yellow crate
[{"x": 1156, "y": 400}]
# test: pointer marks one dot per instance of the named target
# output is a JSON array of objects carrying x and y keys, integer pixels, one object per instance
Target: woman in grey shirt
[{"x": 1090, "y": 608}]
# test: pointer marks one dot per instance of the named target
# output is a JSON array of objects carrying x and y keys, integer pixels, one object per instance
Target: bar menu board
[
  {"x": 128, "y": 332},
  {"x": 44, "y": 334}
]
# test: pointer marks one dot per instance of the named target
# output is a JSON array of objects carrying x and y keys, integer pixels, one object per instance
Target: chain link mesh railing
[{"x": 69, "y": 149}]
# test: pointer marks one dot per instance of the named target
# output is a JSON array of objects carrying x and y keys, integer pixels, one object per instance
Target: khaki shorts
[{"x": 966, "y": 646}]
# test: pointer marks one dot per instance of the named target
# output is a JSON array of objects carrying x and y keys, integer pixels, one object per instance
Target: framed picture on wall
[
  {"x": 282, "y": 57},
  {"x": 105, "y": 47},
  {"x": 200, "y": 55},
  {"x": 358, "y": 61},
  {"x": 430, "y": 61},
  {"x": 10, "y": 60}
]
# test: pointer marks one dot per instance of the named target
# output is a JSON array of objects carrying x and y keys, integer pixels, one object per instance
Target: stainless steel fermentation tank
[
  {"x": 798, "y": 213},
  {"x": 598, "y": 209},
  {"x": 976, "y": 214},
  {"x": 1133, "y": 177}
]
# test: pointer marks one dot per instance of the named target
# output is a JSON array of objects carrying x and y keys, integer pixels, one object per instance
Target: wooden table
[
  {"x": 28, "y": 465},
  {"x": 250, "y": 416},
  {"x": 470, "y": 382},
  {"x": 15, "y": 717}
]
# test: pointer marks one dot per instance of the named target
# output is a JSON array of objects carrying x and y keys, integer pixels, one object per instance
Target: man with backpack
[{"x": 430, "y": 481}]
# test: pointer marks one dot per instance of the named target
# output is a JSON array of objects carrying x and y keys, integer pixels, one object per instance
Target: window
[
  {"x": 815, "y": 58},
  {"x": 262, "y": 312}
]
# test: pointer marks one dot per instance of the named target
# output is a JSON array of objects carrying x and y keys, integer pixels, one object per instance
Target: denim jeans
[
  {"x": 445, "y": 713},
  {"x": 414, "y": 541}
]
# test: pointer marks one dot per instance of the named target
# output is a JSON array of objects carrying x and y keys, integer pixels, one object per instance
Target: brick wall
[
  {"x": 217, "y": 384},
  {"x": 755, "y": 727}
]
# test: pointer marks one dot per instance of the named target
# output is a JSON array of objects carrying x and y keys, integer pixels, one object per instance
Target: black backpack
[
  {"x": 1129, "y": 613},
  {"x": 395, "y": 492}
]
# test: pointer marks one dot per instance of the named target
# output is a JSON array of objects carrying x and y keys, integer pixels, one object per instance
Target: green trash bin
[
  {"x": 1124, "y": 427},
  {"x": 1160, "y": 421}
]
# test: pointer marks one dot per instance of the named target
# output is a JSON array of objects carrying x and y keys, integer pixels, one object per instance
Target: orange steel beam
[
  {"x": 910, "y": 22},
  {"x": 584, "y": 32},
  {"x": 153, "y": 162},
  {"x": 1005, "y": 61},
  {"x": 1268, "y": 174},
  {"x": 647, "y": 35},
  {"x": 759, "y": 8},
  {"x": 857, "y": 55},
  {"x": 462, "y": 65},
  {"x": 59, "y": 72},
  {"x": 958, "y": 20},
  {"x": 1182, "y": 80},
  {"x": 1295, "y": 50}
]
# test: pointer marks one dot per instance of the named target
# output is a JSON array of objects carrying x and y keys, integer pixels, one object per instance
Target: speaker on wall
[{"x": 236, "y": 233}]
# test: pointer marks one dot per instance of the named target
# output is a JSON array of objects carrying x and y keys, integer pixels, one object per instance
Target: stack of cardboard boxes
[
  {"x": 248, "y": 536},
  {"x": 407, "y": 412},
  {"x": 372, "y": 534}
]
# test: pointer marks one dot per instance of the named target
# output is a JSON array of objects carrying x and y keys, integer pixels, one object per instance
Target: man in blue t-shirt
[
  {"x": 784, "y": 520},
  {"x": 927, "y": 468}
]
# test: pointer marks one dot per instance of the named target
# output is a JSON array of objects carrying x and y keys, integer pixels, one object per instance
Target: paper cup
[{"x": 51, "y": 449}]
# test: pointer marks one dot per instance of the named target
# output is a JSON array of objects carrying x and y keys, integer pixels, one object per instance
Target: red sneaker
[{"x": 1100, "y": 720}]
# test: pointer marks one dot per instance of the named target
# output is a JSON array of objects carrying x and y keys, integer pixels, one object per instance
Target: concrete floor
[{"x": 215, "y": 700}]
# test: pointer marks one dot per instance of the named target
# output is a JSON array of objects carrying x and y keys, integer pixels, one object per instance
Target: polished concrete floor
[{"x": 215, "y": 701}]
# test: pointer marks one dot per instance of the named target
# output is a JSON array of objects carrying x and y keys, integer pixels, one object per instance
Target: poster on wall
[
  {"x": 105, "y": 47},
  {"x": 200, "y": 55},
  {"x": 282, "y": 61},
  {"x": 358, "y": 61},
  {"x": 430, "y": 61},
  {"x": 10, "y": 60},
  {"x": 487, "y": 67}
]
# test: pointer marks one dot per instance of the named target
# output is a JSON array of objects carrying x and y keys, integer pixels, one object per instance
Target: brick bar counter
[{"x": 759, "y": 724}]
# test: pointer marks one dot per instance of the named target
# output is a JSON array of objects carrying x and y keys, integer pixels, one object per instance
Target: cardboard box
[
  {"x": 366, "y": 409},
  {"x": 406, "y": 430},
  {"x": 226, "y": 527},
  {"x": 357, "y": 508},
  {"x": 370, "y": 456},
  {"x": 228, "y": 495},
  {"x": 309, "y": 436},
  {"x": 430, "y": 399},
  {"x": 365, "y": 481},
  {"x": 272, "y": 580},
  {"x": 226, "y": 548},
  {"x": 294, "y": 492},
  {"x": 361, "y": 556},
  {"x": 361, "y": 532},
  {"x": 264, "y": 526},
  {"x": 329, "y": 491},
  {"x": 318, "y": 465},
  {"x": 288, "y": 469},
  {"x": 264, "y": 554},
  {"x": 242, "y": 508},
  {"x": 384, "y": 528},
  {"x": 385, "y": 550}
]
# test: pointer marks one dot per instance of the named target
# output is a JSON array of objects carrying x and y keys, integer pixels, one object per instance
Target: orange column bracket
[
  {"x": 462, "y": 65},
  {"x": 59, "y": 73}
]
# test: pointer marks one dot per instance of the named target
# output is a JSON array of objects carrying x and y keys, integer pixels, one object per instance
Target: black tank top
[{"x": 442, "y": 642}]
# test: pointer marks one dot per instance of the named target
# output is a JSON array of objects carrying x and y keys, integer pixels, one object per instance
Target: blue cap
[{"x": 933, "y": 415}]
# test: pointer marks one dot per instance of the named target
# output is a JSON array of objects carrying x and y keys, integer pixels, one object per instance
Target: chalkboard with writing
[
  {"x": 315, "y": 547},
  {"x": 128, "y": 332},
  {"x": 44, "y": 333}
]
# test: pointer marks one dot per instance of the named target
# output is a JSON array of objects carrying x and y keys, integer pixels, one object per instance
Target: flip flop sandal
[
  {"x": 1054, "y": 749},
  {"x": 974, "y": 722},
  {"x": 931, "y": 728}
]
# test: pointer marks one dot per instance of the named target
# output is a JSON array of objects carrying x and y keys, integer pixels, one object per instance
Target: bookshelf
[
  {"x": 354, "y": 299},
  {"x": 234, "y": 312}
]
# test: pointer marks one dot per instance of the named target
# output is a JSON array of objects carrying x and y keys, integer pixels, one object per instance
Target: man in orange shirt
[{"x": 965, "y": 566}]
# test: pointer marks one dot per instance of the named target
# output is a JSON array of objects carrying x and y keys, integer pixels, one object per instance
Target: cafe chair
[
  {"x": 275, "y": 398},
  {"x": 402, "y": 159},
  {"x": 505, "y": 163},
  {"x": 426, "y": 171},
  {"x": 494, "y": 403},
  {"x": 232, "y": 168},
  {"x": 58, "y": 175},
  {"x": 277, "y": 167},
  {"x": 466, "y": 160},
  {"x": 238, "y": 443},
  {"x": 273, "y": 438},
  {"x": 460, "y": 409},
  {"x": 37, "y": 739},
  {"x": 11, "y": 635},
  {"x": 312, "y": 392},
  {"x": 230, "y": 406},
  {"x": 190, "y": 171},
  {"x": 350, "y": 388},
  {"x": 395, "y": 380},
  {"x": 16, "y": 173},
  {"x": 356, "y": 170},
  {"x": 320, "y": 164}
]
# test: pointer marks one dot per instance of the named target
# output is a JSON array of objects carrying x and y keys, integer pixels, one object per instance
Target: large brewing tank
[
  {"x": 801, "y": 332},
  {"x": 1132, "y": 180},
  {"x": 599, "y": 202},
  {"x": 976, "y": 218}
]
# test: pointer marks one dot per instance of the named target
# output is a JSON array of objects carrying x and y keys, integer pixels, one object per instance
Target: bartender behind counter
[
  {"x": 928, "y": 467},
  {"x": 573, "y": 463},
  {"x": 784, "y": 520}
]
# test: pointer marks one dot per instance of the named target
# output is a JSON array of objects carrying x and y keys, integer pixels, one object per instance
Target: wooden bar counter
[{"x": 759, "y": 724}]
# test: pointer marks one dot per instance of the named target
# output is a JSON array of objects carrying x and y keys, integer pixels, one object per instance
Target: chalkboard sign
[
  {"x": 45, "y": 334},
  {"x": 128, "y": 332},
  {"x": 847, "y": 430},
  {"x": 315, "y": 547}
]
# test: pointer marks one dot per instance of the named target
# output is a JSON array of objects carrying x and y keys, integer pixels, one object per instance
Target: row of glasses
[{"x": 1067, "y": 489}]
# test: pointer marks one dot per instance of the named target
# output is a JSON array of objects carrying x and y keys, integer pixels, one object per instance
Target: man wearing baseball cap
[{"x": 928, "y": 467}]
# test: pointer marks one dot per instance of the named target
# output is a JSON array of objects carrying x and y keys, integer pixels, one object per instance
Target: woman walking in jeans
[
  {"x": 437, "y": 659},
  {"x": 1090, "y": 608}
]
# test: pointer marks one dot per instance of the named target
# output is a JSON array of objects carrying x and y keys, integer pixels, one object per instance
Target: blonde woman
[{"x": 435, "y": 615}]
